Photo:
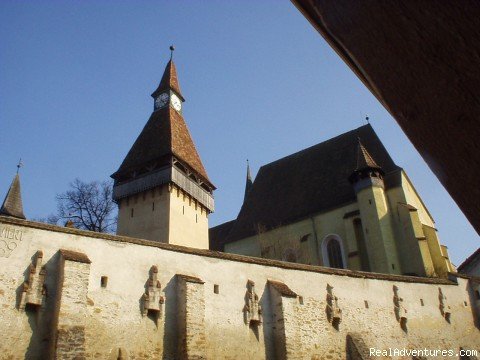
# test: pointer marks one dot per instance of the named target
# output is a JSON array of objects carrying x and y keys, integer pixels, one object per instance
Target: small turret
[
  {"x": 367, "y": 172},
  {"x": 12, "y": 205},
  {"x": 367, "y": 181}
]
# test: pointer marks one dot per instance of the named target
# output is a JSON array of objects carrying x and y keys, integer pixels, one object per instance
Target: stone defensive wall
[{"x": 72, "y": 294}]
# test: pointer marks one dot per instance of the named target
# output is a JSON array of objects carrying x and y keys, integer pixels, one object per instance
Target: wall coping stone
[
  {"x": 75, "y": 256},
  {"x": 282, "y": 288}
]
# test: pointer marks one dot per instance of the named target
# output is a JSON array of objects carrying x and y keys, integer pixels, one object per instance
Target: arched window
[{"x": 333, "y": 253}]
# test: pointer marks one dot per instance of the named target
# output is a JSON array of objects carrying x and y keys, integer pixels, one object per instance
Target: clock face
[
  {"x": 161, "y": 100},
  {"x": 176, "y": 102}
]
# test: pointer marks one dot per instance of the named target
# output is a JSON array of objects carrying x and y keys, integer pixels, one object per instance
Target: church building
[{"x": 342, "y": 203}]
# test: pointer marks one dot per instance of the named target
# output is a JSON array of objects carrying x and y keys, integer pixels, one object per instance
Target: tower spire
[
  {"x": 169, "y": 81},
  {"x": 365, "y": 165},
  {"x": 248, "y": 183},
  {"x": 12, "y": 205}
]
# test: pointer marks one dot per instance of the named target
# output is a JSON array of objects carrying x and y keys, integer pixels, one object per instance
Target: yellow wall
[
  {"x": 277, "y": 243},
  {"x": 396, "y": 226},
  {"x": 150, "y": 215},
  {"x": 377, "y": 223},
  {"x": 165, "y": 214},
  {"x": 188, "y": 221}
]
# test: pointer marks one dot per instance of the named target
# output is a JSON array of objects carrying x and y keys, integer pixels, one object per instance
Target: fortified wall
[{"x": 71, "y": 294}]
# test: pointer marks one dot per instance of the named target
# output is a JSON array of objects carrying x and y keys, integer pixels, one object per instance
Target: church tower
[
  {"x": 368, "y": 183},
  {"x": 162, "y": 189}
]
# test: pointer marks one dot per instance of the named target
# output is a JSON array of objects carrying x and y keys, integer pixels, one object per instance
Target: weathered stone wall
[{"x": 106, "y": 318}]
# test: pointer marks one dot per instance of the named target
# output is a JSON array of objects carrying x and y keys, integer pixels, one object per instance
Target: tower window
[
  {"x": 421, "y": 302},
  {"x": 103, "y": 281},
  {"x": 153, "y": 206},
  {"x": 131, "y": 212},
  {"x": 183, "y": 210},
  {"x": 216, "y": 289},
  {"x": 196, "y": 218}
]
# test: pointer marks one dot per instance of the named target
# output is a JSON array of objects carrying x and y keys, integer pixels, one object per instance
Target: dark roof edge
[
  {"x": 227, "y": 256},
  {"x": 468, "y": 260},
  {"x": 326, "y": 141}
]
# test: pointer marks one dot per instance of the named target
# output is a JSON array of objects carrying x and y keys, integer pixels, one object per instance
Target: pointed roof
[
  {"x": 249, "y": 182},
  {"x": 364, "y": 159},
  {"x": 12, "y": 205},
  {"x": 165, "y": 134},
  {"x": 169, "y": 81}
]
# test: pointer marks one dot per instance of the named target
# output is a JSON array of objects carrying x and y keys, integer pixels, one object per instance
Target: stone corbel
[
  {"x": 334, "y": 313},
  {"x": 399, "y": 308},
  {"x": 34, "y": 290},
  {"x": 152, "y": 299},
  {"x": 443, "y": 305},
  {"x": 252, "y": 309}
]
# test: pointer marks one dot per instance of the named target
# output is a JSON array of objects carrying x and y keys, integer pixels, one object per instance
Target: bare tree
[{"x": 88, "y": 205}]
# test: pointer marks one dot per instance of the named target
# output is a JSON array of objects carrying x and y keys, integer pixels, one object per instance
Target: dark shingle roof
[
  {"x": 471, "y": 259},
  {"x": 307, "y": 182},
  {"x": 165, "y": 134},
  {"x": 12, "y": 205},
  {"x": 218, "y": 234}
]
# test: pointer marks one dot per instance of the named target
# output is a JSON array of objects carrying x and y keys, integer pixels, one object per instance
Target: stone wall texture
[{"x": 202, "y": 314}]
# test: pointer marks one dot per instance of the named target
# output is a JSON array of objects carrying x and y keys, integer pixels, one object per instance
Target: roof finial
[
  {"x": 249, "y": 182},
  {"x": 19, "y": 165},
  {"x": 172, "y": 48},
  {"x": 367, "y": 119}
]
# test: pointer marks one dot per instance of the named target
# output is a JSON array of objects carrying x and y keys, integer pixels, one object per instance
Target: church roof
[
  {"x": 217, "y": 235},
  {"x": 165, "y": 134},
  {"x": 307, "y": 182},
  {"x": 12, "y": 205},
  {"x": 169, "y": 80}
]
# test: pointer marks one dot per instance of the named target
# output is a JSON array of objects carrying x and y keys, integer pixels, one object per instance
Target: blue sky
[{"x": 260, "y": 83}]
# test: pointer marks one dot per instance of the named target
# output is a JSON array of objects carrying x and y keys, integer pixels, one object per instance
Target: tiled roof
[
  {"x": 169, "y": 81},
  {"x": 12, "y": 205},
  {"x": 364, "y": 159},
  {"x": 308, "y": 182},
  {"x": 165, "y": 135}
]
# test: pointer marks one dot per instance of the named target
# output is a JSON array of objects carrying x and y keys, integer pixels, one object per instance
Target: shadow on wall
[
  {"x": 170, "y": 333},
  {"x": 268, "y": 323},
  {"x": 42, "y": 318}
]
